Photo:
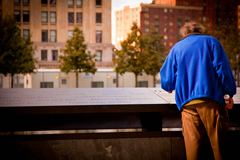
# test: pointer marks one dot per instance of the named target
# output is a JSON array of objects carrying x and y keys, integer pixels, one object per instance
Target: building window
[
  {"x": 142, "y": 83},
  {"x": 53, "y": 2},
  {"x": 70, "y": 2},
  {"x": 17, "y": 16},
  {"x": 146, "y": 22},
  {"x": 26, "y": 34},
  {"x": 44, "y": 35},
  {"x": 98, "y": 56},
  {"x": 44, "y": 55},
  {"x": 79, "y": 3},
  {"x": 70, "y": 17},
  {"x": 70, "y": 34},
  {"x": 97, "y": 85},
  {"x": 44, "y": 17},
  {"x": 146, "y": 15},
  {"x": 53, "y": 36},
  {"x": 98, "y": 2},
  {"x": 54, "y": 55},
  {"x": 25, "y": 16},
  {"x": 79, "y": 17},
  {"x": 16, "y": 1},
  {"x": 18, "y": 81},
  {"x": 98, "y": 17},
  {"x": 46, "y": 84},
  {"x": 99, "y": 36},
  {"x": 165, "y": 10},
  {"x": 25, "y": 1},
  {"x": 64, "y": 81},
  {"x": 146, "y": 29},
  {"x": 53, "y": 17},
  {"x": 44, "y": 2}
]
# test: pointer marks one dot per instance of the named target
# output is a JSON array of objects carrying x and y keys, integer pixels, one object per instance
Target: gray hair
[{"x": 191, "y": 27}]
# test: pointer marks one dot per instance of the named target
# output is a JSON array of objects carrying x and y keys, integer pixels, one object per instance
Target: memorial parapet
[{"x": 88, "y": 108}]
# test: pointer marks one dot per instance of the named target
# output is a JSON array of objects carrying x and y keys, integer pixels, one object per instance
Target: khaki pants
[{"x": 203, "y": 123}]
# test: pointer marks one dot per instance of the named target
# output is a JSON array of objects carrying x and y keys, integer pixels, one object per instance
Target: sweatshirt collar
[{"x": 194, "y": 33}]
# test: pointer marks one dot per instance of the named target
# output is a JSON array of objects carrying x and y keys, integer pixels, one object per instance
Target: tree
[
  {"x": 156, "y": 54},
  {"x": 16, "y": 53},
  {"x": 76, "y": 57},
  {"x": 230, "y": 40},
  {"x": 131, "y": 57}
]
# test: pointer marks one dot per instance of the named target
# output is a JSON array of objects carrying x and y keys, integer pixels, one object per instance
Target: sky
[{"x": 118, "y": 5}]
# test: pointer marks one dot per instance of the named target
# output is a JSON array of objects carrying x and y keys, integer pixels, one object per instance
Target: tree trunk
[
  {"x": 154, "y": 81},
  {"x": 136, "y": 80},
  {"x": 77, "y": 79},
  {"x": 12, "y": 80}
]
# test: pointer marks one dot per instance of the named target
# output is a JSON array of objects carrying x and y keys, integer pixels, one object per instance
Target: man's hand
[{"x": 230, "y": 105}]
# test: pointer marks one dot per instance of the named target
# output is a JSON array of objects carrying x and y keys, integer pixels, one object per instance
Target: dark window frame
[
  {"x": 18, "y": 16},
  {"x": 43, "y": 55},
  {"x": 98, "y": 17},
  {"x": 26, "y": 17},
  {"x": 54, "y": 55},
  {"x": 45, "y": 37},
  {"x": 98, "y": 2},
  {"x": 53, "y": 2},
  {"x": 44, "y": 1},
  {"x": 70, "y": 17}
]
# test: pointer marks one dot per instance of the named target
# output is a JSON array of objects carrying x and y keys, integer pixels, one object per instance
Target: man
[{"x": 198, "y": 70}]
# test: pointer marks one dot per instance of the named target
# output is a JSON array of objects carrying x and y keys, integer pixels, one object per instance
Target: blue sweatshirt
[{"x": 197, "y": 67}]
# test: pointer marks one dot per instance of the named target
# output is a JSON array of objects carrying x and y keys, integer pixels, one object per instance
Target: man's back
[{"x": 201, "y": 66}]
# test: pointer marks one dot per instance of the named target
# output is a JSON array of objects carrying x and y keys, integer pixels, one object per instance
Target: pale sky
[{"x": 119, "y": 4}]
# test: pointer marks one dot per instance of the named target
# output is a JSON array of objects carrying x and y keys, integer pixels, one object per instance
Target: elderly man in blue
[{"x": 198, "y": 70}]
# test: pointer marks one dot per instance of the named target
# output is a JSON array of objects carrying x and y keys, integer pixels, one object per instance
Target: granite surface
[{"x": 163, "y": 148}]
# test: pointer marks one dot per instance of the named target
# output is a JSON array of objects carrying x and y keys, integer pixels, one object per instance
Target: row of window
[
  {"x": 53, "y": 17},
  {"x": 98, "y": 84},
  {"x": 53, "y": 36},
  {"x": 53, "y": 2},
  {"x": 44, "y": 55},
  {"x": 188, "y": 11}
]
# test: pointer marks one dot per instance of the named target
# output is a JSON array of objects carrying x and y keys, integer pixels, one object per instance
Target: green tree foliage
[
  {"x": 156, "y": 53},
  {"x": 231, "y": 44},
  {"x": 76, "y": 57},
  {"x": 131, "y": 57},
  {"x": 16, "y": 53}
]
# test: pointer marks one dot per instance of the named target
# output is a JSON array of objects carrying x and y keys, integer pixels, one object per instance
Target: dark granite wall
[{"x": 160, "y": 148}]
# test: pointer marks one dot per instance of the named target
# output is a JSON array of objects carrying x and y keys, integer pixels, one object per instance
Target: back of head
[{"x": 191, "y": 27}]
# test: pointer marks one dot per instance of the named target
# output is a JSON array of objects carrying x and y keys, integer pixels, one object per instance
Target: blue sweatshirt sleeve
[
  {"x": 168, "y": 73},
  {"x": 223, "y": 70}
]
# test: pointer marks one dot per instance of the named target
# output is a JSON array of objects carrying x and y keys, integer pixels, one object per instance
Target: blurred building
[
  {"x": 51, "y": 23},
  {"x": 167, "y": 16},
  {"x": 218, "y": 15},
  {"x": 164, "y": 18},
  {"x": 124, "y": 20},
  {"x": 167, "y": 20}
]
